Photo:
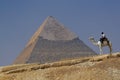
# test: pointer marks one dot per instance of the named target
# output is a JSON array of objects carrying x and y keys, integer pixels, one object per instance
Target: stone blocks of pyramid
[{"x": 53, "y": 42}]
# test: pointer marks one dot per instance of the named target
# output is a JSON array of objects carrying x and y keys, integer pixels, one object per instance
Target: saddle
[{"x": 104, "y": 39}]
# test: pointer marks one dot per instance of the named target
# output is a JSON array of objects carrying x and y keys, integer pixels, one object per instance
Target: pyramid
[{"x": 53, "y": 42}]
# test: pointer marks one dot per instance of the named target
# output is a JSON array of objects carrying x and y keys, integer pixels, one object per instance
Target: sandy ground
[{"x": 100, "y": 67}]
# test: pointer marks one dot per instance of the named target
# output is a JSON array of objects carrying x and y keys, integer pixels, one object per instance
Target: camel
[{"x": 100, "y": 45}]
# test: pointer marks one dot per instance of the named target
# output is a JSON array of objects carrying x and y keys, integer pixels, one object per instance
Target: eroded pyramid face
[{"x": 53, "y": 42}]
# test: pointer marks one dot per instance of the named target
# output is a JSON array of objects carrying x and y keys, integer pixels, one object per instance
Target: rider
[{"x": 103, "y": 37}]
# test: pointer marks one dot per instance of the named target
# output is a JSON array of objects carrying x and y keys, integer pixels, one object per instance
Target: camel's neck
[{"x": 94, "y": 42}]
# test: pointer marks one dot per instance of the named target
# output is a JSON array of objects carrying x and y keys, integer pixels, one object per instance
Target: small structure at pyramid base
[{"x": 53, "y": 42}]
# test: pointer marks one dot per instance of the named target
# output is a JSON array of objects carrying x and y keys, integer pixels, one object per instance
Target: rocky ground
[{"x": 101, "y": 67}]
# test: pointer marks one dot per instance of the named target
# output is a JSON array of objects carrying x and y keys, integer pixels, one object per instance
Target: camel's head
[
  {"x": 93, "y": 41},
  {"x": 91, "y": 38}
]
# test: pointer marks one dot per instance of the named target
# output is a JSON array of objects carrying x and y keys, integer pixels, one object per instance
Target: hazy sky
[{"x": 19, "y": 19}]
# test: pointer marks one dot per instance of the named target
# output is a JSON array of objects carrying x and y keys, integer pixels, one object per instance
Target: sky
[{"x": 19, "y": 19}]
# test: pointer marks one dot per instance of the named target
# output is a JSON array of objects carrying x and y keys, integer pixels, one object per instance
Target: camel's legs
[
  {"x": 110, "y": 47},
  {"x": 101, "y": 51}
]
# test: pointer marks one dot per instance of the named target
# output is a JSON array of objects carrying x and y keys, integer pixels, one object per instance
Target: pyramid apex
[{"x": 51, "y": 18}]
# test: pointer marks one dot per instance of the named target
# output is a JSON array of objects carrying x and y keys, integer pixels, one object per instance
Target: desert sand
[{"x": 100, "y": 67}]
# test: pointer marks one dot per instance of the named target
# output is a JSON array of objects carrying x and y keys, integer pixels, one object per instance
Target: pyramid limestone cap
[{"x": 51, "y": 29}]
